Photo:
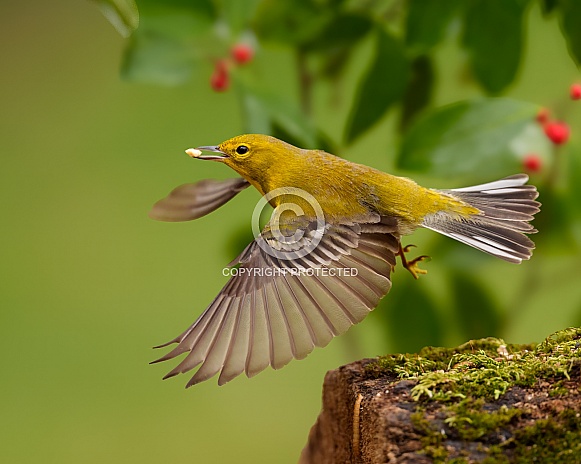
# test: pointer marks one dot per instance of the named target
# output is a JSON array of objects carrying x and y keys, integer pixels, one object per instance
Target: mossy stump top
[{"x": 484, "y": 401}]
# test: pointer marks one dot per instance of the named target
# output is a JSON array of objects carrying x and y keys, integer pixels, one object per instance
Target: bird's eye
[{"x": 241, "y": 149}]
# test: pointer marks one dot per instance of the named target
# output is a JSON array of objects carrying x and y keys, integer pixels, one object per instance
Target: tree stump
[{"x": 484, "y": 401}]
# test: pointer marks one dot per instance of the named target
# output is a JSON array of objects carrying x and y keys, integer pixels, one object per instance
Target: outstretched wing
[
  {"x": 276, "y": 309},
  {"x": 192, "y": 201}
]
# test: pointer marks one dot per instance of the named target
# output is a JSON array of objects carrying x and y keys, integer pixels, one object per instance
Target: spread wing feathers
[
  {"x": 506, "y": 207},
  {"x": 192, "y": 201},
  {"x": 275, "y": 309}
]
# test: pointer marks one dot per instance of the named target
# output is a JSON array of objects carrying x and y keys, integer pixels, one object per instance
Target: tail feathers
[{"x": 506, "y": 207}]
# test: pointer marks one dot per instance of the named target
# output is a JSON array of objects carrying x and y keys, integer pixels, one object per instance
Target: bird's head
[{"x": 251, "y": 155}]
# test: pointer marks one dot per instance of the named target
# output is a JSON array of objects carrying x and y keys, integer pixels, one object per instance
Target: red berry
[
  {"x": 220, "y": 80},
  {"x": 532, "y": 162},
  {"x": 575, "y": 92},
  {"x": 543, "y": 116},
  {"x": 558, "y": 132},
  {"x": 242, "y": 53}
]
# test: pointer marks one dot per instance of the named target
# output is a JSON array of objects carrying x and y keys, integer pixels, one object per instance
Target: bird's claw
[
  {"x": 412, "y": 265},
  {"x": 414, "y": 268}
]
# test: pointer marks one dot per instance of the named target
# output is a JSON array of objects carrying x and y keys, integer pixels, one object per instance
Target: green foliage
[
  {"x": 570, "y": 20},
  {"x": 570, "y": 204},
  {"x": 375, "y": 60},
  {"x": 175, "y": 38},
  {"x": 469, "y": 137},
  {"x": 493, "y": 37},
  {"x": 426, "y": 23},
  {"x": 473, "y": 307},
  {"x": 548, "y": 6},
  {"x": 290, "y": 22},
  {"x": 419, "y": 90},
  {"x": 264, "y": 110},
  {"x": 411, "y": 330},
  {"x": 382, "y": 85},
  {"x": 238, "y": 14},
  {"x": 340, "y": 32},
  {"x": 122, "y": 14},
  {"x": 164, "y": 49}
]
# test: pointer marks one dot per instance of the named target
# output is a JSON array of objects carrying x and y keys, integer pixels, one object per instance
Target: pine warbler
[{"x": 324, "y": 260}]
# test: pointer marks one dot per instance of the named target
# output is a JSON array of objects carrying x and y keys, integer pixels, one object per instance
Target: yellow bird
[{"x": 324, "y": 260}]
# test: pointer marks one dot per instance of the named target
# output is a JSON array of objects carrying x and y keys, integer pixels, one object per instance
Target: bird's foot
[{"x": 412, "y": 265}]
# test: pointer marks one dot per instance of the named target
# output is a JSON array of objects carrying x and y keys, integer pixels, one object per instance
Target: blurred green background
[{"x": 90, "y": 283}]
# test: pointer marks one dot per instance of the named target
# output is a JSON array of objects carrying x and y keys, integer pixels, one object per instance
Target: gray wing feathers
[
  {"x": 261, "y": 321},
  {"x": 192, "y": 201}
]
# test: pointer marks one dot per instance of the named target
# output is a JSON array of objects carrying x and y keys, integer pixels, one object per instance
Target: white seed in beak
[{"x": 193, "y": 152}]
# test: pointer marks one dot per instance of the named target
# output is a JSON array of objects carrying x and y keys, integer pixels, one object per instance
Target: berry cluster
[
  {"x": 240, "y": 54},
  {"x": 556, "y": 131}
]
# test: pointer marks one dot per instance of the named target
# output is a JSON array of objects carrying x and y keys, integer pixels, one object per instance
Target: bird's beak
[{"x": 197, "y": 153}]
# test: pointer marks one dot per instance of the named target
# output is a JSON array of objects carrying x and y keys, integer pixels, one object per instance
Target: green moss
[
  {"x": 462, "y": 385},
  {"x": 431, "y": 359},
  {"x": 558, "y": 389},
  {"x": 556, "y": 440},
  {"x": 482, "y": 368},
  {"x": 472, "y": 422},
  {"x": 432, "y": 439},
  {"x": 495, "y": 456}
]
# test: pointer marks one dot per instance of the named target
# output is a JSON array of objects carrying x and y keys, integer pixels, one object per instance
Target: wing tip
[{"x": 169, "y": 375}]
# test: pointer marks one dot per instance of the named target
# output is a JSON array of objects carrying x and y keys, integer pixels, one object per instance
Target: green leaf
[
  {"x": 426, "y": 22},
  {"x": 382, "y": 85},
  {"x": 268, "y": 114},
  {"x": 324, "y": 142},
  {"x": 202, "y": 10},
  {"x": 481, "y": 138},
  {"x": 573, "y": 170},
  {"x": 557, "y": 221},
  {"x": 548, "y": 6},
  {"x": 200, "y": 7},
  {"x": 291, "y": 22},
  {"x": 256, "y": 117},
  {"x": 571, "y": 26},
  {"x": 238, "y": 13},
  {"x": 419, "y": 90},
  {"x": 289, "y": 116},
  {"x": 474, "y": 308},
  {"x": 411, "y": 317},
  {"x": 169, "y": 41},
  {"x": 336, "y": 41},
  {"x": 493, "y": 36},
  {"x": 340, "y": 32},
  {"x": 333, "y": 62},
  {"x": 560, "y": 217},
  {"x": 264, "y": 110},
  {"x": 157, "y": 59},
  {"x": 122, "y": 14}
]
